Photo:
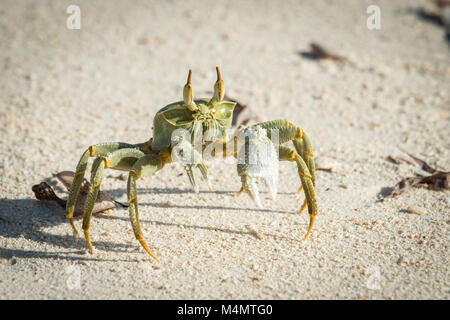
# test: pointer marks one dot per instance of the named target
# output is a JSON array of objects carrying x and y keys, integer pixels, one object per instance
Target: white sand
[{"x": 62, "y": 90}]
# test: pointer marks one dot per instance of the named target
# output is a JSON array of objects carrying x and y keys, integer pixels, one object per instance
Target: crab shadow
[
  {"x": 199, "y": 207},
  {"x": 210, "y": 228},
  {"x": 30, "y": 219},
  {"x": 119, "y": 192}
]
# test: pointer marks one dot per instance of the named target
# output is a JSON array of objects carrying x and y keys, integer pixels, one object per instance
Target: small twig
[
  {"x": 253, "y": 232},
  {"x": 324, "y": 169}
]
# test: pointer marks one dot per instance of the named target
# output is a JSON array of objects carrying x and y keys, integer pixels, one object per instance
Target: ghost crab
[{"x": 184, "y": 131}]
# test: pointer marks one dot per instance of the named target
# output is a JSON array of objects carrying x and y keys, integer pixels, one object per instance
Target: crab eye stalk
[
  {"x": 188, "y": 95},
  {"x": 219, "y": 88}
]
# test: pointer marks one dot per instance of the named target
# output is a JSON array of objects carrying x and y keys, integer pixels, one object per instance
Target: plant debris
[
  {"x": 43, "y": 191},
  {"x": 397, "y": 160},
  {"x": 253, "y": 232},
  {"x": 242, "y": 114},
  {"x": 324, "y": 169},
  {"x": 430, "y": 16},
  {"x": 438, "y": 180},
  {"x": 120, "y": 177},
  {"x": 415, "y": 210},
  {"x": 318, "y": 52},
  {"x": 439, "y": 15},
  {"x": 62, "y": 182}
]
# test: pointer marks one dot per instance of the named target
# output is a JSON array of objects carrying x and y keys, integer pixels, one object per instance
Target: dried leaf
[
  {"x": 318, "y": 52},
  {"x": 242, "y": 114},
  {"x": 439, "y": 180},
  {"x": 393, "y": 160},
  {"x": 442, "y": 3},
  {"x": 120, "y": 177},
  {"x": 425, "y": 166},
  {"x": 43, "y": 191},
  {"x": 430, "y": 16},
  {"x": 397, "y": 161},
  {"x": 440, "y": 15},
  {"x": 62, "y": 182}
]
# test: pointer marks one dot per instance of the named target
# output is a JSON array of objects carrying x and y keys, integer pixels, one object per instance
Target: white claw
[
  {"x": 253, "y": 192},
  {"x": 190, "y": 158},
  {"x": 272, "y": 184},
  {"x": 258, "y": 160}
]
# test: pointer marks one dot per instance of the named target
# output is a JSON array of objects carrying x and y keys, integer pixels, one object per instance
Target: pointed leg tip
[
  {"x": 303, "y": 207},
  {"x": 146, "y": 248},
  {"x": 74, "y": 229},
  {"x": 312, "y": 218},
  {"x": 88, "y": 241},
  {"x": 75, "y": 234}
]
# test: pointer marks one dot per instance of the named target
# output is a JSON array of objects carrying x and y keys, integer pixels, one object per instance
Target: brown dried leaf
[
  {"x": 121, "y": 177},
  {"x": 62, "y": 182},
  {"x": 242, "y": 114},
  {"x": 43, "y": 191},
  {"x": 442, "y": 3},
  {"x": 397, "y": 161},
  {"x": 431, "y": 16},
  {"x": 439, "y": 180},
  {"x": 423, "y": 164},
  {"x": 393, "y": 160}
]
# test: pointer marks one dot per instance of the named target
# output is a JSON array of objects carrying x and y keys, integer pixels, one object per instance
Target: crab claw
[
  {"x": 190, "y": 158},
  {"x": 257, "y": 161}
]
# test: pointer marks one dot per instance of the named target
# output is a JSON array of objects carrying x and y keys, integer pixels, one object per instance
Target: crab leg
[
  {"x": 122, "y": 159},
  {"x": 287, "y": 154},
  {"x": 146, "y": 165},
  {"x": 100, "y": 149},
  {"x": 96, "y": 179}
]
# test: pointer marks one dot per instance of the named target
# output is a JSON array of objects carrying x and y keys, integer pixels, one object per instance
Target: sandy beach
[{"x": 62, "y": 90}]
